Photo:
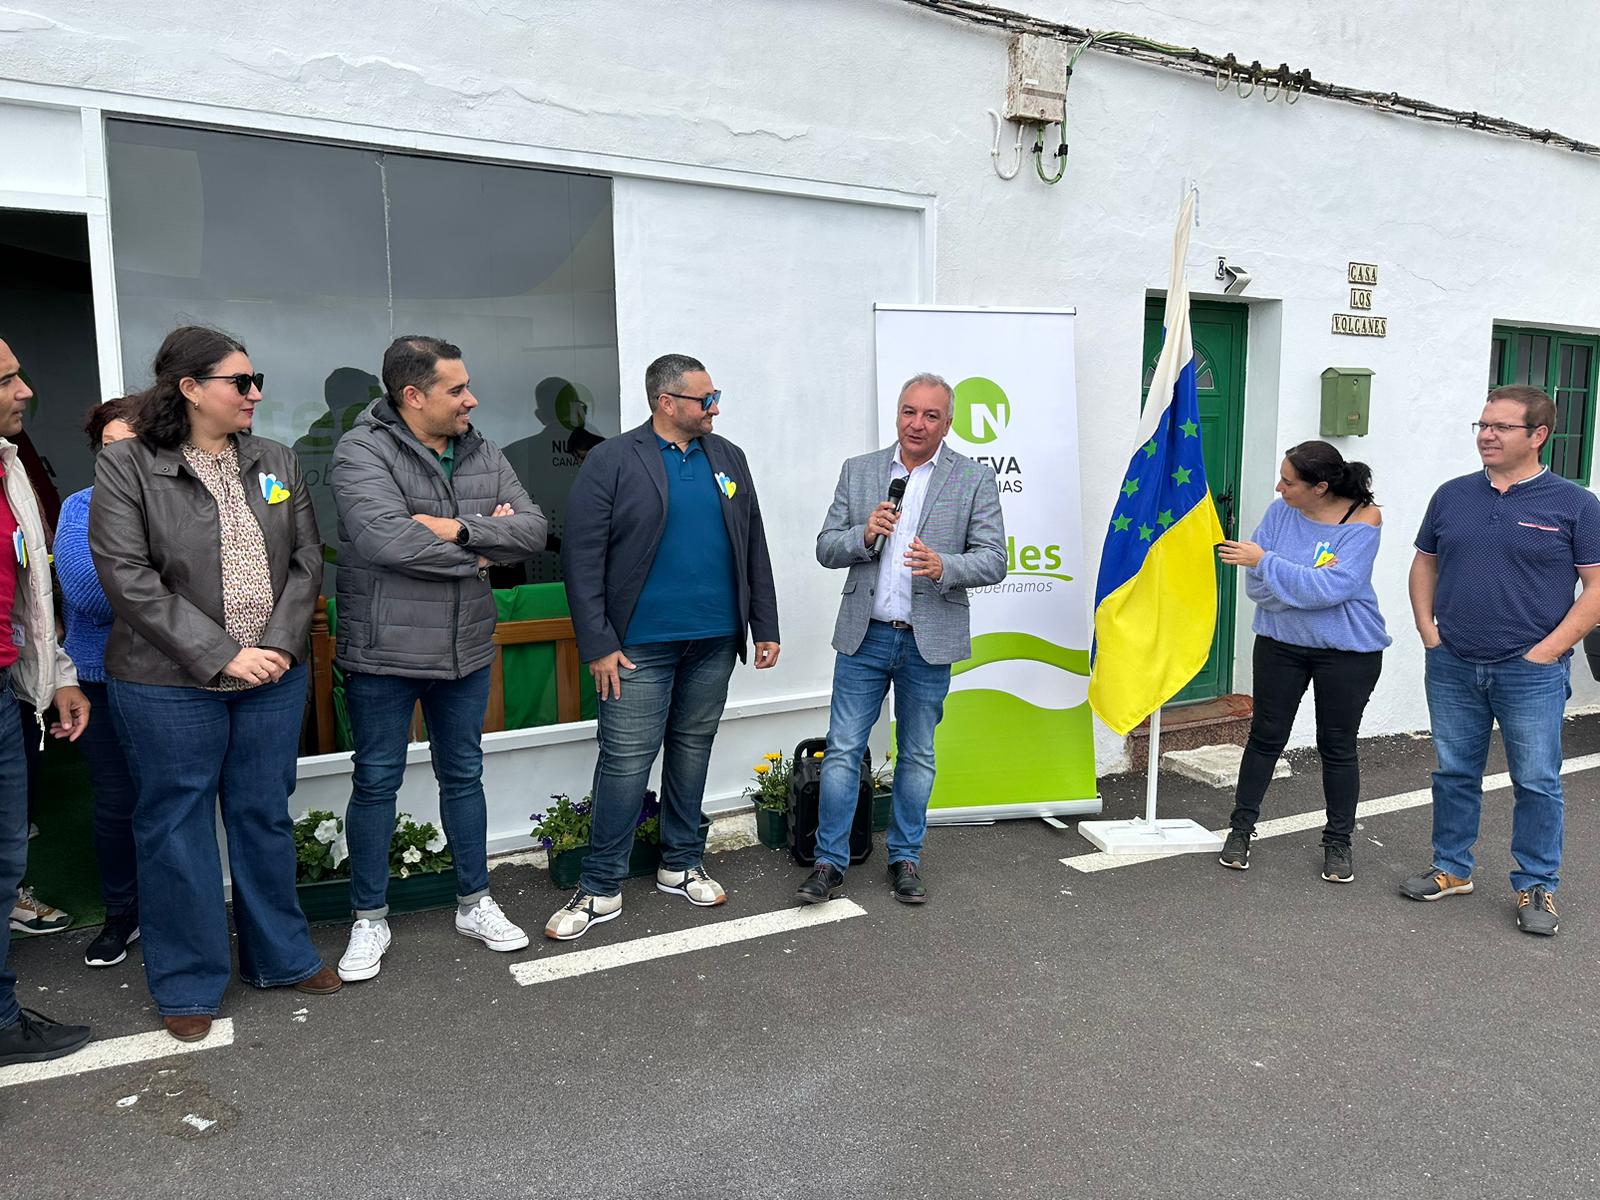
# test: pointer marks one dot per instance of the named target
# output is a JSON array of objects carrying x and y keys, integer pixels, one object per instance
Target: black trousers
[{"x": 1344, "y": 680}]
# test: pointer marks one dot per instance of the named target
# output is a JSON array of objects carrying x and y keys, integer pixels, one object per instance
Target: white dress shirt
[{"x": 892, "y": 599}]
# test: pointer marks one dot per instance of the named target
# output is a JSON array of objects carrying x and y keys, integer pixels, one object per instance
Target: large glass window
[
  {"x": 1563, "y": 366},
  {"x": 317, "y": 256}
]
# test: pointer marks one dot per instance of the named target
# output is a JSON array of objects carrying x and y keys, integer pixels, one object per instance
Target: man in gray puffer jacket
[{"x": 425, "y": 504}]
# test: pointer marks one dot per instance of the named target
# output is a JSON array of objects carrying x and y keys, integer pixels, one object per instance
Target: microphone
[{"x": 897, "y": 491}]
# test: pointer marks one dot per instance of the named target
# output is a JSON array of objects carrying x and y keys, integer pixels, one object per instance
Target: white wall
[{"x": 1466, "y": 228}]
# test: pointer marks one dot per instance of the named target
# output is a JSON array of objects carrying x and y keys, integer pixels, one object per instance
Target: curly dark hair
[
  {"x": 123, "y": 408},
  {"x": 188, "y": 352}
]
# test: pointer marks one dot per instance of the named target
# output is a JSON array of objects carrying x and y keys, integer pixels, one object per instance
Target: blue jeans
[
  {"x": 13, "y": 840},
  {"x": 860, "y": 681},
  {"x": 114, "y": 800},
  {"x": 188, "y": 748},
  {"x": 380, "y": 709},
  {"x": 671, "y": 704},
  {"x": 1528, "y": 699}
]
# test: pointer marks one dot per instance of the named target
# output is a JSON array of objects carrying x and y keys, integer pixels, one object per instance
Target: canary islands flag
[{"x": 1155, "y": 603}]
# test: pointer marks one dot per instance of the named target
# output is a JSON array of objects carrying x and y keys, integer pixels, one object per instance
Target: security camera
[{"x": 1237, "y": 278}]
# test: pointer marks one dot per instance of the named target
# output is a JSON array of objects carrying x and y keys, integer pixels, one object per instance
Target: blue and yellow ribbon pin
[
  {"x": 725, "y": 485},
  {"x": 272, "y": 489}
]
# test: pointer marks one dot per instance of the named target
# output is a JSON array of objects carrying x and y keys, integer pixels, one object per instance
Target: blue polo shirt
[
  {"x": 690, "y": 591},
  {"x": 1508, "y": 561}
]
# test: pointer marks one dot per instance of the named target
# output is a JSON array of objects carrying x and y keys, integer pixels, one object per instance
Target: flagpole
[{"x": 1150, "y": 769}]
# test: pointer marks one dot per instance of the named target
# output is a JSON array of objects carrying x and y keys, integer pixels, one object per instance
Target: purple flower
[
  {"x": 547, "y": 843},
  {"x": 537, "y": 818},
  {"x": 581, "y": 807}
]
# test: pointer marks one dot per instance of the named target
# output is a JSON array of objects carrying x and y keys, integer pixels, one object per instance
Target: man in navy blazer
[
  {"x": 903, "y": 620},
  {"x": 666, "y": 568}
]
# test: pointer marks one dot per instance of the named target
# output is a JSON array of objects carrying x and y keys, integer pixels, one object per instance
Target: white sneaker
[
  {"x": 364, "y": 955},
  {"x": 491, "y": 926},
  {"x": 573, "y": 919},
  {"x": 694, "y": 885}
]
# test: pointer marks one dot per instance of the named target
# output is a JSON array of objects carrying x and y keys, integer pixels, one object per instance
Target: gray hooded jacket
[{"x": 411, "y": 603}]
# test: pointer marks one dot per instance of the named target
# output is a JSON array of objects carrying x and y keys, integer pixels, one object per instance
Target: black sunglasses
[
  {"x": 240, "y": 381},
  {"x": 705, "y": 401}
]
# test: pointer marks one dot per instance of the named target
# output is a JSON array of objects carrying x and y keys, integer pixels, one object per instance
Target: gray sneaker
[
  {"x": 1236, "y": 850},
  {"x": 1536, "y": 912},
  {"x": 1434, "y": 884},
  {"x": 1338, "y": 864}
]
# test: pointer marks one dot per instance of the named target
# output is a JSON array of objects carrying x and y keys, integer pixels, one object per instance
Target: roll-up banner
[{"x": 1017, "y": 739}]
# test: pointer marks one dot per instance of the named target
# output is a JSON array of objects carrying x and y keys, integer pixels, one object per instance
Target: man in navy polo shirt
[
  {"x": 1499, "y": 555},
  {"x": 666, "y": 567}
]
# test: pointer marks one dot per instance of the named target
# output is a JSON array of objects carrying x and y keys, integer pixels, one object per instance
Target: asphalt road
[{"x": 1167, "y": 1029}]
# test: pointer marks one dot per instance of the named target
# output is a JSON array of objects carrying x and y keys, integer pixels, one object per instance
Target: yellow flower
[
  {"x": 762, "y": 768},
  {"x": 774, "y": 758}
]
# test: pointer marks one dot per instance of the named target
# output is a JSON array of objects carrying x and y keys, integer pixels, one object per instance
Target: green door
[{"x": 1218, "y": 331}]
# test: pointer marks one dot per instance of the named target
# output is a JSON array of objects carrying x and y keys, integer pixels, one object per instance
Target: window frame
[{"x": 1503, "y": 344}]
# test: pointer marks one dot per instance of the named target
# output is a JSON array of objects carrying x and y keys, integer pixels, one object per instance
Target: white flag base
[{"x": 1177, "y": 835}]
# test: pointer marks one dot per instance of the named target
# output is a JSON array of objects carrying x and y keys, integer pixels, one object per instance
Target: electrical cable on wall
[{"x": 1227, "y": 71}]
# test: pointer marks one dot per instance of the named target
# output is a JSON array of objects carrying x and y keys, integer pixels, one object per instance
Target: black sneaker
[
  {"x": 821, "y": 885},
  {"x": 1536, "y": 912},
  {"x": 36, "y": 1038},
  {"x": 1236, "y": 850},
  {"x": 110, "y": 945},
  {"x": 1338, "y": 864}
]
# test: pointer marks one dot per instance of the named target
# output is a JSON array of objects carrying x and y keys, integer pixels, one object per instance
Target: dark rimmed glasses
[
  {"x": 1500, "y": 427},
  {"x": 706, "y": 401},
  {"x": 240, "y": 381}
]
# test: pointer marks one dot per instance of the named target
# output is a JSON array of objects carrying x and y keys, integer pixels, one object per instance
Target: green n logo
[{"x": 982, "y": 410}]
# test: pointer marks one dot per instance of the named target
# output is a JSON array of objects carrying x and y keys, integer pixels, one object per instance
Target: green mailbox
[{"x": 1346, "y": 401}]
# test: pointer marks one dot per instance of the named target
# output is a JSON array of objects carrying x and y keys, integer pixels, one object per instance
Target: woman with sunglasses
[
  {"x": 1309, "y": 571},
  {"x": 206, "y": 544}
]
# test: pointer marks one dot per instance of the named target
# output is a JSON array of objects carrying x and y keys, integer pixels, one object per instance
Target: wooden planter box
[
  {"x": 567, "y": 867},
  {"x": 329, "y": 899}
]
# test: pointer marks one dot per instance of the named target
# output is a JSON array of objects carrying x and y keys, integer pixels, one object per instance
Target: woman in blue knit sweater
[
  {"x": 88, "y": 619},
  {"x": 1309, "y": 571}
]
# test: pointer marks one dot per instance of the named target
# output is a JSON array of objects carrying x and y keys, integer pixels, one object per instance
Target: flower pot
[
  {"x": 772, "y": 827},
  {"x": 329, "y": 899},
  {"x": 567, "y": 866},
  {"x": 882, "y": 805}
]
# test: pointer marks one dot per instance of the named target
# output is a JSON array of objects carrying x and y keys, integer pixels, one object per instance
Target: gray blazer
[{"x": 961, "y": 522}]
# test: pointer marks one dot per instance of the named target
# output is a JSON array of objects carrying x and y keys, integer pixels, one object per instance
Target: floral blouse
[{"x": 246, "y": 574}]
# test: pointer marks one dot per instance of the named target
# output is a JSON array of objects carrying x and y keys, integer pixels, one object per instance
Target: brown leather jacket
[{"x": 155, "y": 540}]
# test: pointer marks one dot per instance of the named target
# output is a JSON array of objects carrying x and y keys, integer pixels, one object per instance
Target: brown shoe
[
  {"x": 324, "y": 983},
  {"x": 188, "y": 1029}
]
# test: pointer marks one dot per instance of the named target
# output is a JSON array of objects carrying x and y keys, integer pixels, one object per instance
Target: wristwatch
[{"x": 461, "y": 533}]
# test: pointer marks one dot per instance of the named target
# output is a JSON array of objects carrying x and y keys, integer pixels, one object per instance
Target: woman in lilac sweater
[
  {"x": 1309, "y": 571},
  {"x": 88, "y": 621}
]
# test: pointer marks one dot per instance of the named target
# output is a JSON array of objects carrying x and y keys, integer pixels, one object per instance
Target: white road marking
[
  {"x": 1096, "y": 861},
  {"x": 662, "y": 945},
  {"x": 117, "y": 1052}
]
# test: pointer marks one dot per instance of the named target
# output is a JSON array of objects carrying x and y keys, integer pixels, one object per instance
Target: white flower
[
  {"x": 411, "y": 855},
  {"x": 304, "y": 815},
  {"x": 327, "y": 831},
  {"x": 436, "y": 843},
  {"x": 340, "y": 850},
  {"x": 405, "y": 872}
]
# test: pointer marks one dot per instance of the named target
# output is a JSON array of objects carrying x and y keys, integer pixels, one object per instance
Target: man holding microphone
[{"x": 903, "y": 619}]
